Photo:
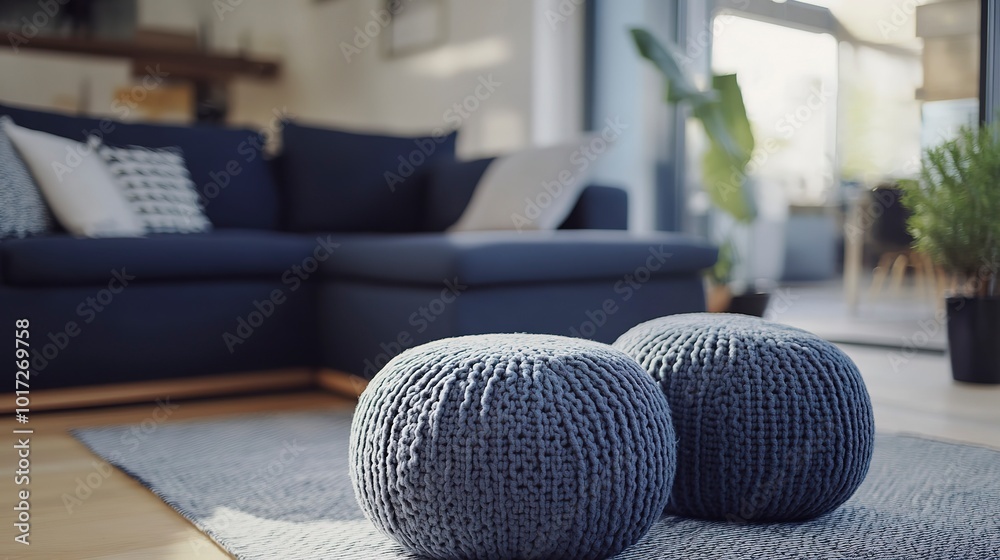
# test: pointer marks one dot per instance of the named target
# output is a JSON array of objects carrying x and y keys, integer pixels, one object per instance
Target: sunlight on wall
[
  {"x": 454, "y": 59},
  {"x": 501, "y": 131}
]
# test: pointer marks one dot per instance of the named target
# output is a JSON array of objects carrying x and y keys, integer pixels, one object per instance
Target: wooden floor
[
  {"x": 915, "y": 394},
  {"x": 121, "y": 519}
]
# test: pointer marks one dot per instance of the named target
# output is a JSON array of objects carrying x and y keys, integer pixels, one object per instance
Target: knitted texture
[
  {"x": 512, "y": 446},
  {"x": 773, "y": 423}
]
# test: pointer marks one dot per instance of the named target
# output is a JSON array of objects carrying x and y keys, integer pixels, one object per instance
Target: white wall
[
  {"x": 495, "y": 42},
  {"x": 536, "y": 66},
  {"x": 557, "y": 79},
  {"x": 629, "y": 88},
  {"x": 412, "y": 94},
  {"x": 177, "y": 15},
  {"x": 85, "y": 84},
  {"x": 74, "y": 84}
]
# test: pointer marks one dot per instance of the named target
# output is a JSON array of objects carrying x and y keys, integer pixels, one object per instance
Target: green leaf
[
  {"x": 725, "y": 184},
  {"x": 722, "y": 271},
  {"x": 723, "y": 116},
  {"x": 680, "y": 86},
  {"x": 730, "y": 147},
  {"x": 733, "y": 114}
]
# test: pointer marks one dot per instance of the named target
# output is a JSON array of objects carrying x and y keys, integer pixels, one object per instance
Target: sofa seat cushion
[
  {"x": 222, "y": 255},
  {"x": 509, "y": 257}
]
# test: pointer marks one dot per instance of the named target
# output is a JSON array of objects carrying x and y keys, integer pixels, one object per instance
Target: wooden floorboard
[
  {"x": 140, "y": 391},
  {"x": 341, "y": 383}
]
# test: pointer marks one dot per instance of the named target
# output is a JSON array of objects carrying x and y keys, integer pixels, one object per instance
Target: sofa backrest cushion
[
  {"x": 227, "y": 165},
  {"x": 343, "y": 181}
]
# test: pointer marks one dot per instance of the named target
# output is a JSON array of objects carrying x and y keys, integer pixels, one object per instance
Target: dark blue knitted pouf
[
  {"x": 773, "y": 423},
  {"x": 513, "y": 446}
]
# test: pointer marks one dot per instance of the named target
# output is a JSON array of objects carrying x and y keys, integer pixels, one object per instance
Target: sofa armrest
[{"x": 599, "y": 208}]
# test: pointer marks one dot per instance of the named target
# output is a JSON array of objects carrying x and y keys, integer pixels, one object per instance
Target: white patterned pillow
[
  {"x": 158, "y": 188},
  {"x": 23, "y": 211},
  {"x": 75, "y": 183}
]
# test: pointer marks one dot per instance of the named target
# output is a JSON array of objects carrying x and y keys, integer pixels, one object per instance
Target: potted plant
[
  {"x": 955, "y": 220},
  {"x": 723, "y": 116}
]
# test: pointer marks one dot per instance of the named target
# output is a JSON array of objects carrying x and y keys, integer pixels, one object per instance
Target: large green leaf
[
  {"x": 680, "y": 86},
  {"x": 730, "y": 146},
  {"x": 733, "y": 114},
  {"x": 726, "y": 185},
  {"x": 723, "y": 116}
]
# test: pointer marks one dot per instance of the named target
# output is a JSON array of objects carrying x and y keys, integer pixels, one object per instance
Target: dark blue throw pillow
[
  {"x": 344, "y": 181},
  {"x": 227, "y": 165},
  {"x": 449, "y": 191}
]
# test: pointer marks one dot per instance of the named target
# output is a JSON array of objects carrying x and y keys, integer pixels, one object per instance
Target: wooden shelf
[{"x": 179, "y": 63}]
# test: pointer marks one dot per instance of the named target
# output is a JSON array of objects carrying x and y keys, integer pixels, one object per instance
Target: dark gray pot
[
  {"x": 754, "y": 303},
  {"x": 974, "y": 339}
]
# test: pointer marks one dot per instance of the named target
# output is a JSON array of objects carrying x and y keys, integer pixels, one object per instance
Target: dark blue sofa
[{"x": 314, "y": 262}]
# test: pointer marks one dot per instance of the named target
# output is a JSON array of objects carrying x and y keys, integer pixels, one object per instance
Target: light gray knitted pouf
[
  {"x": 773, "y": 423},
  {"x": 513, "y": 446}
]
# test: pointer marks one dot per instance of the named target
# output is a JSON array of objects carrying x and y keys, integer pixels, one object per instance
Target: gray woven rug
[{"x": 277, "y": 486}]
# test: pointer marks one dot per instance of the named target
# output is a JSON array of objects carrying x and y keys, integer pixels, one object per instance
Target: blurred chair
[{"x": 888, "y": 235}]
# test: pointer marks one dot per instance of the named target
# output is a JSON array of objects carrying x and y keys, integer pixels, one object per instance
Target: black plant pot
[
  {"x": 974, "y": 339},
  {"x": 750, "y": 304}
]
